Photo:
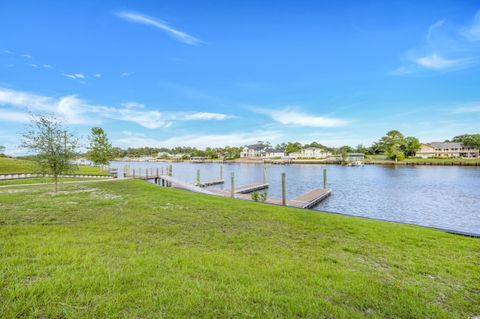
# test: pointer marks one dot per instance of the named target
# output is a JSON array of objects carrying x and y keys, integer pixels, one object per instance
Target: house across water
[{"x": 447, "y": 149}]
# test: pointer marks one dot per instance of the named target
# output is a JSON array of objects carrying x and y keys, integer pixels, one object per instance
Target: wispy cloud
[
  {"x": 75, "y": 110},
  {"x": 28, "y": 56},
  {"x": 151, "y": 21},
  {"x": 436, "y": 62},
  {"x": 202, "y": 116},
  {"x": 472, "y": 32},
  {"x": 47, "y": 66},
  {"x": 125, "y": 74},
  {"x": 200, "y": 141},
  {"x": 291, "y": 116},
  {"x": 447, "y": 47},
  {"x": 469, "y": 108},
  {"x": 97, "y": 75}
]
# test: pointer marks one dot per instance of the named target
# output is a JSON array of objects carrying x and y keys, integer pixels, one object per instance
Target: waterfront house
[
  {"x": 314, "y": 152},
  {"x": 274, "y": 153},
  {"x": 446, "y": 149},
  {"x": 253, "y": 151}
]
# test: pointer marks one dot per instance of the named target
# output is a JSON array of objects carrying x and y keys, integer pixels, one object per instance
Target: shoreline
[{"x": 312, "y": 161}]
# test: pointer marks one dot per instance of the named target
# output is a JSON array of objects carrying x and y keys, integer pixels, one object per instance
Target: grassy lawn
[
  {"x": 13, "y": 165},
  {"x": 443, "y": 160},
  {"x": 36, "y": 180},
  {"x": 133, "y": 250},
  {"x": 379, "y": 158}
]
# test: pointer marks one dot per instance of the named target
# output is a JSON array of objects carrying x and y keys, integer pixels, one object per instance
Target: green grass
[
  {"x": 379, "y": 159},
  {"x": 13, "y": 165},
  {"x": 133, "y": 250},
  {"x": 443, "y": 160},
  {"x": 36, "y": 180}
]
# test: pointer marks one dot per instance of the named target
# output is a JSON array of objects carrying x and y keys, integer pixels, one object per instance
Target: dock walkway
[
  {"x": 211, "y": 182},
  {"x": 310, "y": 198}
]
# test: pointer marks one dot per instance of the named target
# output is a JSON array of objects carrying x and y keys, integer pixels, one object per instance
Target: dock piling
[
  {"x": 264, "y": 174},
  {"x": 221, "y": 171},
  {"x": 198, "y": 177},
  {"x": 325, "y": 178},
  {"x": 134, "y": 173},
  {"x": 232, "y": 184},
  {"x": 284, "y": 190}
]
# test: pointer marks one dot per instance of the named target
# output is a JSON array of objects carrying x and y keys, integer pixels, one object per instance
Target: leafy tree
[
  {"x": 54, "y": 146},
  {"x": 472, "y": 140},
  {"x": 361, "y": 149},
  {"x": 393, "y": 143},
  {"x": 411, "y": 146},
  {"x": 2, "y": 149},
  {"x": 100, "y": 150},
  {"x": 293, "y": 147}
]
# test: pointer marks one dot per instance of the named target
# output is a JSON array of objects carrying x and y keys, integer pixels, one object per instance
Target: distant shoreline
[{"x": 446, "y": 162}]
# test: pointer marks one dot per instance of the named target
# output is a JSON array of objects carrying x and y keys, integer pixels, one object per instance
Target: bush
[{"x": 255, "y": 196}]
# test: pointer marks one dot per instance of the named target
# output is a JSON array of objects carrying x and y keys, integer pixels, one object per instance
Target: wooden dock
[
  {"x": 245, "y": 189},
  {"x": 310, "y": 198},
  {"x": 211, "y": 182}
]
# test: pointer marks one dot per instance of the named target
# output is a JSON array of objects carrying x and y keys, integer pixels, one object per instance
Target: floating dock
[
  {"x": 310, "y": 198},
  {"x": 211, "y": 182},
  {"x": 245, "y": 189}
]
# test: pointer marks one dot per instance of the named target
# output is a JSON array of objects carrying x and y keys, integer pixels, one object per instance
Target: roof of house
[
  {"x": 446, "y": 145},
  {"x": 256, "y": 147},
  {"x": 274, "y": 150}
]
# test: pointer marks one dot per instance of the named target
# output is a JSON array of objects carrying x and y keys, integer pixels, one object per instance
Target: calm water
[{"x": 438, "y": 196}]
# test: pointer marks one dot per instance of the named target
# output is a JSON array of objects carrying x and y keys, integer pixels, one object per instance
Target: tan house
[{"x": 446, "y": 149}]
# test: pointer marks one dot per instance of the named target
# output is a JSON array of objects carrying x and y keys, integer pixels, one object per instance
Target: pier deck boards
[
  {"x": 211, "y": 182},
  {"x": 310, "y": 198},
  {"x": 245, "y": 189}
]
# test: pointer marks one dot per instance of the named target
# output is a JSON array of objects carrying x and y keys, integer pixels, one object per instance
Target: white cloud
[
  {"x": 7, "y": 52},
  {"x": 133, "y": 105},
  {"x": 472, "y": 32},
  {"x": 447, "y": 47},
  {"x": 28, "y": 56},
  {"x": 75, "y": 76},
  {"x": 201, "y": 141},
  {"x": 202, "y": 116},
  {"x": 33, "y": 65},
  {"x": 144, "y": 19},
  {"x": 47, "y": 66},
  {"x": 77, "y": 111},
  {"x": 97, "y": 75},
  {"x": 125, "y": 74},
  {"x": 290, "y": 116},
  {"x": 436, "y": 62}
]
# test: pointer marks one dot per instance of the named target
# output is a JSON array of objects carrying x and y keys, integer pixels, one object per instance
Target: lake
[{"x": 436, "y": 196}]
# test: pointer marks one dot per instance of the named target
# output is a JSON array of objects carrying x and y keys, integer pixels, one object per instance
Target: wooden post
[
  {"x": 198, "y": 177},
  {"x": 264, "y": 174},
  {"x": 325, "y": 178},
  {"x": 162, "y": 170},
  {"x": 134, "y": 173},
  {"x": 157, "y": 172},
  {"x": 232, "y": 184},
  {"x": 284, "y": 190},
  {"x": 221, "y": 171},
  {"x": 171, "y": 170}
]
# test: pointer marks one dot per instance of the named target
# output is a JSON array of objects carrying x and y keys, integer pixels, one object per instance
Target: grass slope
[
  {"x": 13, "y": 165},
  {"x": 130, "y": 249}
]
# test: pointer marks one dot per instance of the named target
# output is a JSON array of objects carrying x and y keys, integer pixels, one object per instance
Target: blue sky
[{"x": 230, "y": 73}]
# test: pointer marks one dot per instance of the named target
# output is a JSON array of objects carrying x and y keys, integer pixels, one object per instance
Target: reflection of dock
[{"x": 211, "y": 182}]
